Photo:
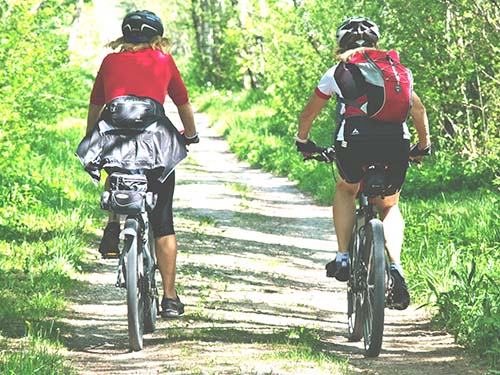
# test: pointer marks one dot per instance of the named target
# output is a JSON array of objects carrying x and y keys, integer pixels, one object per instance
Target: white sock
[
  {"x": 397, "y": 267},
  {"x": 342, "y": 258}
]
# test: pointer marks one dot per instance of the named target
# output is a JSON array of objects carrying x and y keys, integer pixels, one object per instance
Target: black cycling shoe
[
  {"x": 110, "y": 243},
  {"x": 171, "y": 308},
  {"x": 338, "y": 269},
  {"x": 399, "y": 298}
]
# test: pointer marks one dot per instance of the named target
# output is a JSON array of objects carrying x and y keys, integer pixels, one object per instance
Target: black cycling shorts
[
  {"x": 366, "y": 143},
  {"x": 161, "y": 218}
]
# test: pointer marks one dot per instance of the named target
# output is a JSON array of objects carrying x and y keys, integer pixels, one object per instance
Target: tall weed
[
  {"x": 451, "y": 253},
  {"x": 37, "y": 354}
]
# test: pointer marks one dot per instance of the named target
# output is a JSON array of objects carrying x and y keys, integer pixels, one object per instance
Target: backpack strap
[{"x": 351, "y": 102}]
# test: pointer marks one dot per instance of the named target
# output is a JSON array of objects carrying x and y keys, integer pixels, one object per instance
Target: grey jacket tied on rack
[{"x": 133, "y": 135}]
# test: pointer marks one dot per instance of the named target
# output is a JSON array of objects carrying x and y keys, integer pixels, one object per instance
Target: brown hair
[{"x": 157, "y": 42}]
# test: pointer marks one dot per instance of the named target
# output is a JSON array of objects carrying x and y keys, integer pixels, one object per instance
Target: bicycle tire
[
  {"x": 151, "y": 298},
  {"x": 374, "y": 301},
  {"x": 354, "y": 298},
  {"x": 135, "y": 300}
]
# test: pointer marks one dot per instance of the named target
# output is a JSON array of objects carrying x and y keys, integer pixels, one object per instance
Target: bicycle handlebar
[{"x": 326, "y": 155}]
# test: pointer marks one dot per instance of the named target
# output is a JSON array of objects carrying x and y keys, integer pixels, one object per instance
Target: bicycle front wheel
[
  {"x": 374, "y": 301},
  {"x": 354, "y": 289},
  {"x": 135, "y": 298}
]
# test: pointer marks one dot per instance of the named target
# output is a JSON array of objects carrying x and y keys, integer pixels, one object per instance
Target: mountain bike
[
  {"x": 137, "y": 265},
  {"x": 369, "y": 283}
]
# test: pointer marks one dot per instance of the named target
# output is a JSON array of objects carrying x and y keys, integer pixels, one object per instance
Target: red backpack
[{"x": 389, "y": 87}]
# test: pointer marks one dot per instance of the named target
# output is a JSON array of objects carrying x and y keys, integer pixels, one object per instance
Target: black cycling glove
[
  {"x": 309, "y": 146},
  {"x": 414, "y": 151},
  {"x": 192, "y": 139}
]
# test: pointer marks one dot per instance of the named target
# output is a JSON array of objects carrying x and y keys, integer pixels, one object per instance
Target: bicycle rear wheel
[
  {"x": 354, "y": 292},
  {"x": 374, "y": 301},
  {"x": 151, "y": 299},
  {"x": 135, "y": 295}
]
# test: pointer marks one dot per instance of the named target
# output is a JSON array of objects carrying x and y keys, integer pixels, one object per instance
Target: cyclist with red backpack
[{"x": 375, "y": 96}]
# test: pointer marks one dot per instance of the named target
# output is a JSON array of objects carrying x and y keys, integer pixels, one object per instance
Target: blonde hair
[
  {"x": 343, "y": 54},
  {"x": 157, "y": 42}
]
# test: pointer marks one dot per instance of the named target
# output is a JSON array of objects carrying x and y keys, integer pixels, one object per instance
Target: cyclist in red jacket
[
  {"x": 359, "y": 140},
  {"x": 143, "y": 67}
]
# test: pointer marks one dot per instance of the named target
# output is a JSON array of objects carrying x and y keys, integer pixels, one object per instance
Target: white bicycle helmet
[{"x": 357, "y": 32}]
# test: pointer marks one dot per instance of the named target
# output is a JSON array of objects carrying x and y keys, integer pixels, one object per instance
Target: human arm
[
  {"x": 97, "y": 99},
  {"x": 309, "y": 114},
  {"x": 94, "y": 112},
  {"x": 421, "y": 122},
  {"x": 179, "y": 95},
  {"x": 187, "y": 118}
]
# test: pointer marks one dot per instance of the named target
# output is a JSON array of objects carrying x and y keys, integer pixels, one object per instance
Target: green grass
[
  {"x": 288, "y": 349},
  {"x": 48, "y": 212},
  {"x": 300, "y": 347},
  {"x": 451, "y": 254},
  {"x": 239, "y": 188},
  {"x": 37, "y": 353}
]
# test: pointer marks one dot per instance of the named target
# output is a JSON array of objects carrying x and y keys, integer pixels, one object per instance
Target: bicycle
[
  {"x": 369, "y": 284},
  {"x": 137, "y": 263}
]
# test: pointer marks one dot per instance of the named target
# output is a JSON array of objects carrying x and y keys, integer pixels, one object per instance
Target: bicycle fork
[
  {"x": 150, "y": 269},
  {"x": 130, "y": 229}
]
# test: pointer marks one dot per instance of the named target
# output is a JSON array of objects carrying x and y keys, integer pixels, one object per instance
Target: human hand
[
  {"x": 417, "y": 153},
  {"x": 192, "y": 139},
  {"x": 306, "y": 147}
]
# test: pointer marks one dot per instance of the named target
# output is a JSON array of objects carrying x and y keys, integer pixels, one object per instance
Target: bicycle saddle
[{"x": 374, "y": 181}]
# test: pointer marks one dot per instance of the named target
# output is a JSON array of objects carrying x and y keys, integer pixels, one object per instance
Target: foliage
[
  {"x": 43, "y": 222},
  {"x": 288, "y": 46}
]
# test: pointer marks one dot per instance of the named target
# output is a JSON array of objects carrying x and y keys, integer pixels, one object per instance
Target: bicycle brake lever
[{"x": 328, "y": 154}]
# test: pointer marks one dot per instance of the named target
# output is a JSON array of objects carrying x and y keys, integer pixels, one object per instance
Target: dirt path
[{"x": 251, "y": 272}]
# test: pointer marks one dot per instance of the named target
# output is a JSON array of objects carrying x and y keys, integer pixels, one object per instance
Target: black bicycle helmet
[
  {"x": 140, "y": 26},
  {"x": 357, "y": 32}
]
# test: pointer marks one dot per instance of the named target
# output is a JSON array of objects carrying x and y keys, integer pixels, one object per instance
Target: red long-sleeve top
[{"x": 147, "y": 72}]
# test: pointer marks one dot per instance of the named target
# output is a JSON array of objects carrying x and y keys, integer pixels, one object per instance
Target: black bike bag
[
  {"x": 124, "y": 181},
  {"x": 128, "y": 195},
  {"x": 132, "y": 112}
]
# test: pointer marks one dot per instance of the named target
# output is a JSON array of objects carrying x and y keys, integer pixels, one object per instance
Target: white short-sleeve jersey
[{"x": 327, "y": 86}]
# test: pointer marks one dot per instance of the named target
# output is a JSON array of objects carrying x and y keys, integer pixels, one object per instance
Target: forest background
[{"x": 252, "y": 64}]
